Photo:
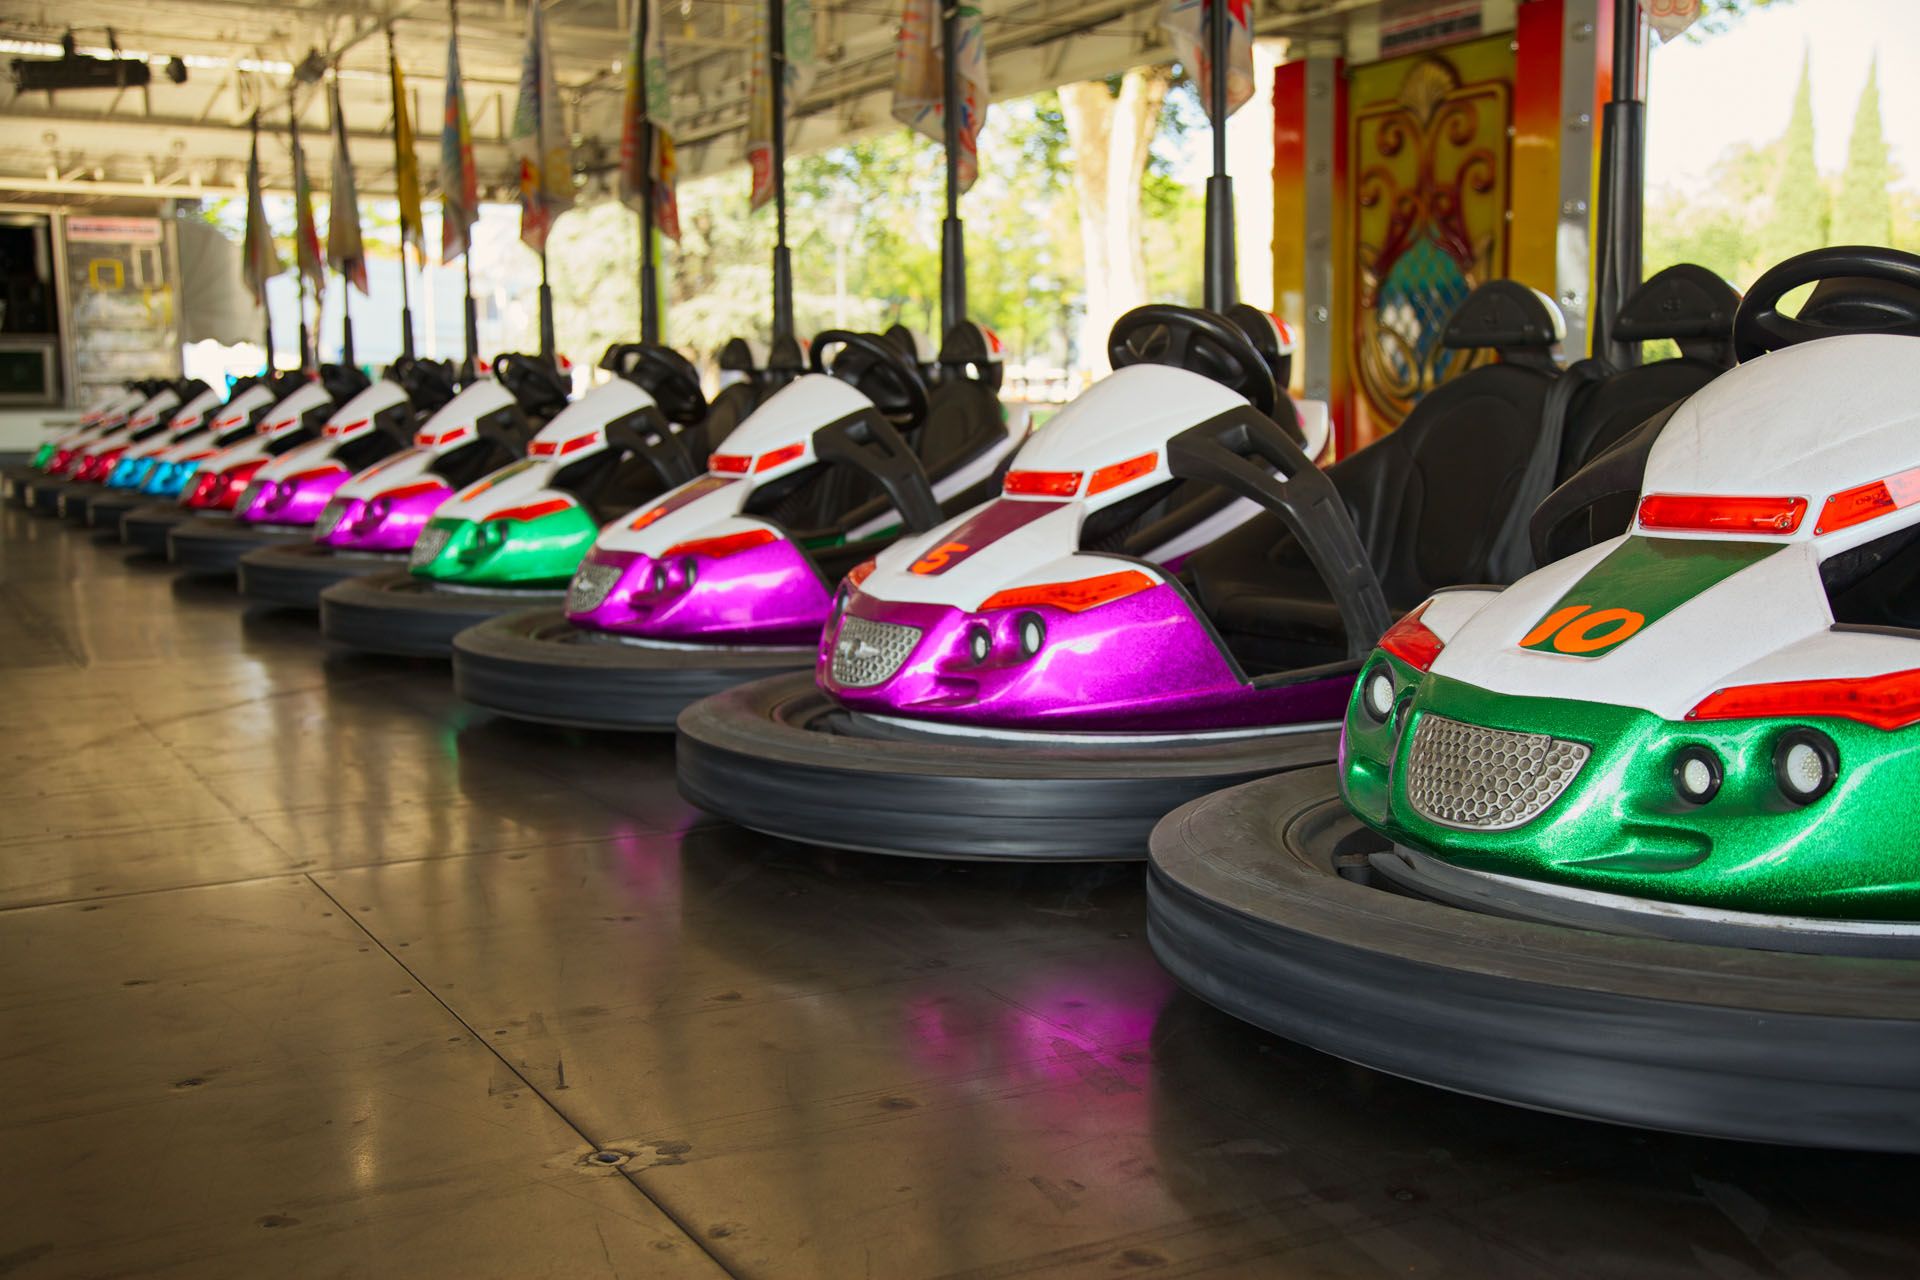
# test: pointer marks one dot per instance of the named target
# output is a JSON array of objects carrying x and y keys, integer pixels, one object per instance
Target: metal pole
[
  {"x": 546, "y": 309},
  {"x": 782, "y": 259},
  {"x": 1623, "y": 176},
  {"x": 299, "y": 276},
  {"x": 346, "y": 320},
  {"x": 1220, "y": 284},
  {"x": 953, "y": 241},
  {"x": 266, "y": 314},
  {"x": 473, "y": 321},
  {"x": 406, "y": 295},
  {"x": 649, "y": 283}
]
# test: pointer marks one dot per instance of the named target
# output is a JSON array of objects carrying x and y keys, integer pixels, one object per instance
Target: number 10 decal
[{"x": 1583, "y": 631}]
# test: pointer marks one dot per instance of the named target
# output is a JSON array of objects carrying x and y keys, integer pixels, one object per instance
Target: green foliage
[
  {"x": 1799, "y": 215},
  {"x": 1862, "y": 211}
]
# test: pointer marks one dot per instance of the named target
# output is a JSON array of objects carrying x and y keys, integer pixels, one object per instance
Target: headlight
[
  {"x": 1805, "y": 765},
  {"x": 1376, "y": 693},
  {"x": 590, "y": 586},
  {"x": 1696, "y": 774},
  {"x": 1033, "y": 633}
]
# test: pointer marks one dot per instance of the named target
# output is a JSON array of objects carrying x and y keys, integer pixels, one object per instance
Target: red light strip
[
  {"x": 532, "y": 510},
  {"x": 778, "y": 457},
  {"x": 1075, "y": 597},
  {"x": 1714, "y": 513},
  {"x": 1869, "y": 501},
  {"x": 1890, "y": 701},
  {"x": 729, "y": 463},
  {"x": 1112, "y": 477},
  {"x": 726, "y": 545},
  {"x": 1051, "y": 484},
  {"x": 1412, "y": 641},
  {"x": 344, "y": 428}
]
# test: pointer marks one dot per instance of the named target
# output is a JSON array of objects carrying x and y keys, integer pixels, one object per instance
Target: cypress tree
[
  {"x": 1863, "y": 213},
  {"x": 1798, "y": 218}
]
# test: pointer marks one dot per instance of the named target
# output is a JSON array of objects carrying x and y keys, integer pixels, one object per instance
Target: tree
[
  {"x": 1111, "y": 129},
  {"x": 1863, "y": 212},
  {"x": 1798, "y": 219}
]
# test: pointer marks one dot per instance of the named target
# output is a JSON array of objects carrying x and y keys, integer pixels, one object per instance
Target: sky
[{"x": 1705, "y": 97}]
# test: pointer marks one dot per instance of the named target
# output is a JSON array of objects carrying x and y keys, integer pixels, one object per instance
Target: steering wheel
[
  {"x": 534, "y": 383},
  {"x": 901, "y": 393},
  {"x": 1199, "y": 341},
  {"x": 1759, "y": 327},
  {"x": 666, "y": 375}
]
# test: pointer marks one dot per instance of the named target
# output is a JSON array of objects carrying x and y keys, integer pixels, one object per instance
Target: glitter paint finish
[
  {"x": 1143, "y": 663},
  {"x": 525, "y": 553},
  {"x": 767, "y": 594},
  {"x": 1623, "y": 827}
]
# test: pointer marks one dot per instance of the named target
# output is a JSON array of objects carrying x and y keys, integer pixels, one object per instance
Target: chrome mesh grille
[
  {"x": 590, "y": 586},
  {"x": 330, "y": 516},
  {"x": 868, "y": 652},
  {"x": 1465, "y": 776},
  {"x": 428, "y": 544}
]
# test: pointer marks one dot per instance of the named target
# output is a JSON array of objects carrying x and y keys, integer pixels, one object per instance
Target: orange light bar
[
  {"x": 726, "y": 545},
  {"x": 729, "y": 464},
  {"x": 646, "y": 518},
  {"x": 778, "y": 457},
  {"x": 1890, "y": 701},
  {"x": 1051, "y": 484},
  {"x": 410, "y": 490},
  {"x": 1074, "y": 597},
  {"x": 1712, "y": 513},
  {"x": 1865, "y": 502},
  {"x": 531, "y": 511},
  {"x": 1412, "y": 641},
  {"x": 1112, "y": 477},
  {"x": 860, "y": 573}
]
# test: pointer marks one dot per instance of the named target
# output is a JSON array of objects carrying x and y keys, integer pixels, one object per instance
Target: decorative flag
[
  {"x": 406, "y": 162},
  {"x": 260, "y": 257},
  {"x": 649, "y": 103},
  {"x": 919, "y": 89},
  {"x": 344, "y": 246},
  {"x": 1670, "y": 17},
  {"x": 1185, "y": 22},
  {"x": 309, "y": 259},
  {"x": 459, "y": 186},
  {"x": 798, "y": 37},
  {"x": 540, "y": 140}
]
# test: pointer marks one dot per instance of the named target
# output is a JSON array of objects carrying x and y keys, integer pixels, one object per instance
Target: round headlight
[
  {"x": 1376, "y": 693},
  {"x": 979, "y": 644},
  {"x": 1805, "y": 765},
  {"x": 1696, "y": 775},
  {"x": 1033, "y": 634},
  {"x": 690, "y": 571},
  {"x": 659, "y": 578}
]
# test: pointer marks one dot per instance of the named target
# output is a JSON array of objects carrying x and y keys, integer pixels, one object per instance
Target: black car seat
[
  {"x": 742, "y": 387},
  {"x": 1430, "y": 502},
  {"x": 341, "y": 382},
  {"x": 186, "y": 389}
]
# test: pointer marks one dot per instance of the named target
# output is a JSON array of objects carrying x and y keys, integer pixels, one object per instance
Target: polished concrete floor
[{"x": 306, "y": 969}]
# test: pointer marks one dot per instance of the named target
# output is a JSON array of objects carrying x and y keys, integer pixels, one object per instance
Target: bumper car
[
  {"x": 213, "y": 500},
  {"x": 285, "y": 496},
  {"x": 517, "y": 534},
  {"x": 52, "y": 466},
  {"x": 1055, "y": 688},
  {"x": 120, "y": 400},
  {"x": 144, "y": 526},
  {"x": 731, "y": 576},
  {"x": 119, "y": 490},
  {"x": 375, "y": 518},
  {"x": 146, "y": 427},
  {"x": 1632, "y": 839}
]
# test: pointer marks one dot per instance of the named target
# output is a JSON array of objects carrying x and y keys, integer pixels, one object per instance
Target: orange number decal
[
  {"x": 1581, "y": 629},
  {"x": 938, "y": 558}
]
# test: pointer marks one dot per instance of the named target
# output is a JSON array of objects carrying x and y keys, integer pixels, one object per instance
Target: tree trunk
[{"x": 1110, "y": 134}]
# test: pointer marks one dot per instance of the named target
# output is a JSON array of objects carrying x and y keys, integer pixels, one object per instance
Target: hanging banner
[
  {"x": 540, "y": 140},
  {"x": 919, "y": 89},
  {"x": 345, "y": 247},
  {"x": 259, "y": 256},
  {"x": 798, "y": 37},
  {"x": 309, "y": 259},
  {"x": 649, "y": 103},
  {"x": 1670, "y": 17},
  {"x": 406, "y": 161},
  {"x": 459, "y": 185},
  {"x": 1186, "y": 21}
]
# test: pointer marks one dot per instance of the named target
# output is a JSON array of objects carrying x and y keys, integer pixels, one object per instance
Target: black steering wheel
[
  {"x": 1759, "y": 327},
  {"x": 886, "y": 374},
  {"x": 534, "y": 383},
  {"x": 664, "y": 374},
  {"x": 1199, "y": 341}
]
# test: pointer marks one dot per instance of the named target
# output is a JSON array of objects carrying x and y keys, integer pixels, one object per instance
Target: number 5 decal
[
  {"x": 938, "y": 558},
  {"x": 1583, "y": 631}
]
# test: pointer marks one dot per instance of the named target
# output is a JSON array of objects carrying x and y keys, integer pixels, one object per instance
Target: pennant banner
[
  {"x": 798, "y": 36},
  {"x": 260, "y": 257},
  {"x": 919, "y": 89},
  {"x": 309, "y": 259},
  {"x": 344, "y": 245},
  {"x": 1185, "y": 22},
  {"x": 406, "y": 162},
  {"x": 459, "y": 185},
  {"x": 540, "y": 140},
  {"x": 649, "y": 102}
]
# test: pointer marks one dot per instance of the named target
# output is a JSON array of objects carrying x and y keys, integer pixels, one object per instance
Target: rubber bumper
[
  {"x": 535, "y": 665},
  {"x": 107, "y": 507},
  {"x": 780, "y": 756},
  {"x": 214, "y": 544},
  {"x": 1259, "y": 901},
  {"x": 145, "y": 528},
  {"x": 295, "y": 574},
  {"x": 76, "y": 501},
  {"x": 43, "y": 495},
  {"x": 411, "y": 617},
  {"x": 17, "y": 478}
]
